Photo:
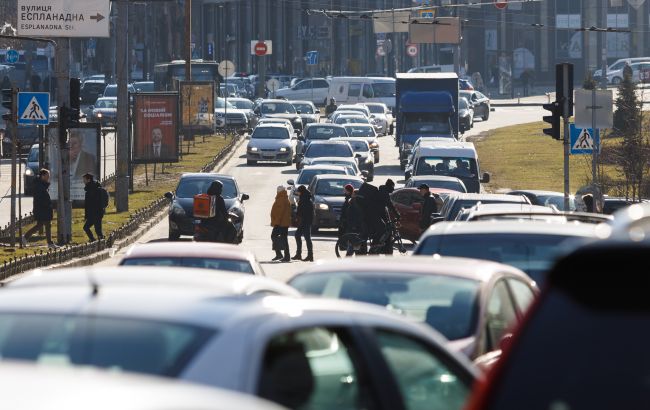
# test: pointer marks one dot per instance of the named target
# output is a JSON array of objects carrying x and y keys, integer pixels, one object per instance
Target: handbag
[{"x": 276, "y": 240}]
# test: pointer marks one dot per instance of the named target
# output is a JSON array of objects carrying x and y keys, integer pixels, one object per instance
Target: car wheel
[
  {"x": 315, "y": 229},
  {"x": 251, "y": 162},
  {"x": 174, "y": 235},
  {"x": 487, "y": 114}
]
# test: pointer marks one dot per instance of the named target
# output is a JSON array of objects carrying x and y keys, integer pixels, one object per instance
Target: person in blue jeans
[{"x": 305, "y": 214}]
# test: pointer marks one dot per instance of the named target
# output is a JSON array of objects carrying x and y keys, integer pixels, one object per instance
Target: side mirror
[
  {"x": 485, "y": 178},
  {"x": 291, "y": 182},
  {"x": 245, "y": 197},
  {"x": 169, "y": 195},
  {"x": 357, "y": 155},
  {"x": 298, "y": 112}
]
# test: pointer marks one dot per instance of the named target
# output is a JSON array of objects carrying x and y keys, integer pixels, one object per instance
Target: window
[
  {"x": 334, "y": 187},
  {"x": 303, "y": 85},
  {"x": 314, "y": 369},
  {"x": 523, "y": 294},
  {"x": 273, "y": 133},
  {"x": 423, "y": 379},
  {"x": 321, "y": 84},
  {"x": 367, "y": 91},
  {"x": 228, "y": 265},
  {"x": 500, "y": 315},
  {"x": 188, "y": 187},
  {"x": 354, "y": 90}
]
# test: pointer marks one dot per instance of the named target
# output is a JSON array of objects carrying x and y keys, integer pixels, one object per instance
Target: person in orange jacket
[{"x": 280, "y": 221}]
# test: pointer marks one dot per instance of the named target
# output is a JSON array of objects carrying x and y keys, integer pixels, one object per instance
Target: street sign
[
  {"x": 226, "y": 68},
  {"x": 428, "y": 13},
  {"x": 582, "y": 140},
  {"x": 312, "y": 57},
  {"x": 501, "y": 4},
  {"x": 33, "y": 108},
  {"x": 64, "y": 18},
  {"x": 260, "y": 49},
  {"x": 601, "y": 109},
  {"x": 12, "y": 56},
  {"x": 273, "y": 85},
  {"x": 411, "y": 50},
  {"x": 255, "y": 44}
]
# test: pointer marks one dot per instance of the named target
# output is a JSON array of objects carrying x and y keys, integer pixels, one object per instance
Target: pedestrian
[
  {"x": 588, "y": 200},
  {"x": 95, "y": 202},
  {"x": 280, "y": 221},
  {"x": 525, "y": 81},
  {"x": 355, "y": 224},
  {"x": 43, "y": 212},
  {"x": 305, "y": 215},
  {"x": 331, "y": 107},
  {"x": 348, "y": 191},
  {"x": 385, "y": 201},
  {"x": 429, "y": 206},
  {"x": 217, "y": 224}
]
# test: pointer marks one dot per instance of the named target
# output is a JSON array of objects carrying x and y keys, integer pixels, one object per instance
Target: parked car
[
  {"x": 294, "y": 351},
  {"x": 366, "y": 132},
  {"x": 385, "y": 121},
  {"x": 181, "y": 211},
  {"x": 615, "y": 70},
  {"x": 307, "y": 111},
  {"x": 226, "y": 114},
  {"x": 364, "y": 155},
  {"x": 465, "y": 115},
  {"x": 31, "y": 170},
  {"x": 271, "y": 142},
  {"x": 329, "y": 198},
  {"x": 472, "y": 303},
  {"x": 104, "y": 111},
  {"x": 545, "y": 198},
  {"x": 311, "y": 89},
  {"x": 205, "y": 255},
  {"x": 279, "y": 109},
  {"x": 408, "y": 202},
  {"x": 457, "y": 201},
  {"x": 437, "y": 181},
  {"x": 529, "y": 245},
  {"x": 480, "y": 103},
  {"x": 327, "y": 148}
]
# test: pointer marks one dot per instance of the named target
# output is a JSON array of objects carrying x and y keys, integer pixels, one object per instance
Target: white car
[
  {"x": 310, "y": 89},
  {"x": 271, "y": 142},
  {"x": 297, "y": 352},
  {"x": 282, "y": 121},
  {"x": 384, "y": 123},
  {"x": 227, "y": 115}
]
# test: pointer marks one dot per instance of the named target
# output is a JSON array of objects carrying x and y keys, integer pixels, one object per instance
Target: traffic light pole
[
  {"x": 64, "y": 205},
  {"x": 566, "y": 114},
  {"x": 14, "y": 161}
]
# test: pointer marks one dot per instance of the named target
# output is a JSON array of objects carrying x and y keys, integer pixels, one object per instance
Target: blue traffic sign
[
  {"x": 33, "y": 108},
  {"x": 312, "y": 57},
  {"x": 582, "y": 140},
  {"x": 12, "y": 56}
]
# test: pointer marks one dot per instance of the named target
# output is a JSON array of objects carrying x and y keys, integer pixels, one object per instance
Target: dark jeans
[
  {"x": 281, "y": 235},
  {"x": 97, "y": 223},
  {"x": 41, "y": 224},
  {"x": 303, "y": 230}
]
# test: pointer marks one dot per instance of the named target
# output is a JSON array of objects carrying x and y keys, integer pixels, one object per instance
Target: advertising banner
[
  {"x": 155, "y": 137},
  {"x": 84, "y": 145},
  {"x": 197, "y": 106}
]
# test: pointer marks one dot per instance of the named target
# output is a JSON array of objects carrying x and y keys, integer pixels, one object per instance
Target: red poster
[{"x": 156, "y": 128}]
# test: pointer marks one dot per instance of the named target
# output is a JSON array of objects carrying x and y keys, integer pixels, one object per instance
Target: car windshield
[
  {"x": 304, "y": 108},
  {"x": 376, "y": 109},
  {"x": 557, "y": 201},
  {"x": 110, "y": 91},
  {"x": 107, "y": 103},
  {"x": 221, "y": 103},
  {"x": 384, "y": 90},
  {"x": 448, "y": 166},
  {"x": 447, "y": 303},
  {"x": 146, "y": 86},
  {"x": 229, "y": 265},
  {"x": 33, "y": 155},
  {"x": 359, "y": 145},
  {"x": 270, "y": 133},
  {"x": 306, "y": 175},
  {"x": 446, "y": 184},
  {"x": 532, "y": 253},
  {"x": 334, "y": 187},
  {"x": 426, "y": 123},
  {"x": 277, "y": 108},
  {"x": 325, "y": 133},
  {"x": 117, "y": 344},
  {"x": 328, "y": 150},
  {"x": 242, "y": 104},
  {"x": 462, "y": 104},
  {"x": 188, "y": 187},
  {"x": 352, "y": 120},
  {"x": 360, "y": 130}
]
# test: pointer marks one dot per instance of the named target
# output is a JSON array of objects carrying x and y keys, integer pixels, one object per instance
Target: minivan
[
  {"x": 615, "y": 71},
  {"x": 352, "y": 90}
]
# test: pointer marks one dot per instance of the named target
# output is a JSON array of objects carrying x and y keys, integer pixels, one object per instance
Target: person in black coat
[
  {"x": 43, "y": 212},
  {"x": 305, "y": 214},
  {"x": 217, "y": 224},
  {"x": 93, "y": 209},
  {"x": 385, "y": 202},
  {"x": 428, "y": 207}
]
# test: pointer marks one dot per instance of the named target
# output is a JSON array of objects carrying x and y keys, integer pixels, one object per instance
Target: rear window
[
  {"x": 188, "y": 187},
  {"x": 325, "y": 133},
  {"x": 306, "y": 175},
  {"x": 272, "y": 133},
  {"x": 328, "y": 150},
  {"x": 118, "y": 344},
  {"x": 334, "y": 187},
  {"x": 229, "y": 265},
  {"x": 468, "y": 203}
]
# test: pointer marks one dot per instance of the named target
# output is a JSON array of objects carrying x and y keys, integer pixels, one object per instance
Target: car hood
[
  {"x": 230, "y": 110},
  {"x": 412, "y": 138},
  {"x": 290, "y": 117},
  {"x": 188, "y": 204},
  {"x": 269, "y": 143},
  {"x": 329, "y": 200},
  {"x": 309, "y": 116}
]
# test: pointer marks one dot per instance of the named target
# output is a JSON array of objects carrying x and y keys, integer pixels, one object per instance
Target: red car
[{"x": 408, "y": 202}]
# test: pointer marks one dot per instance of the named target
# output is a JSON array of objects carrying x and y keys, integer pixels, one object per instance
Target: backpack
[{"x": 104, "y": 197}]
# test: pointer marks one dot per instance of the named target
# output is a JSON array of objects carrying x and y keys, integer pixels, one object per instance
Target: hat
[
  {"x": 302, "y": 189},
  {"x": 88, "y": 175},
  {"x": 423, "y": 186},
  {"x": 390, "y": 182},
  {"x": 349, "y": 187},
  {"x": 280, "y": 188}
]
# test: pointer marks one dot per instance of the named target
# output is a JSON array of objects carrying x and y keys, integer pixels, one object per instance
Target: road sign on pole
[
  {"x": 261, "y": 47},
  {"x": 64, "y": 18},
  {"x": 312, "y": 57},
  {"x": 583, "y": 140},
  {"x": 12, "y": 56},
  {"x": 33, "y": 108},
  {"x": 226, "y": 68},
  {"x": 412, "y": 50},
  {"x": 598, "y": 114},
  {"x": 501, "y": 4}
]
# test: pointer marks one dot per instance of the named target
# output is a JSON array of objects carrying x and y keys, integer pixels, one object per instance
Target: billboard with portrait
[
  {"x": 84, "y": 145},
  {"x": 155, "y": 137},
  {"x": 197, "y": 106}
]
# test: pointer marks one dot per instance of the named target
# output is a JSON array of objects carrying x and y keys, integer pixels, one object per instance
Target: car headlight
[
  {"x": 323, "y": 207},
  {"x": 29, "y": 172},
  {"x": 283, "y": 149},
  {"x": 178, "y": 210},
  {"x": 407, "y": 146},
  {"x": 252, "y": 149},
  {"x": 99, "y": 115}
]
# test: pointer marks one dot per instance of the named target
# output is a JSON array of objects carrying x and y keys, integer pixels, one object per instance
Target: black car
[
  {"x": 181, "y": 218},
  {"x": 480, "y": 103},
  {"x": 279, "y": 109},
  {"x": 329, "y": 198},
  {"x": 465, "y": 115},
  {"x": 31, "y": 170},
  {"x": 363, "y": 154}
]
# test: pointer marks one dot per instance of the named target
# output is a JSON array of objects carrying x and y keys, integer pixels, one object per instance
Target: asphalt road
[
  {"x": 26, "y": 201},
  {"x": 260, "y": 183}
]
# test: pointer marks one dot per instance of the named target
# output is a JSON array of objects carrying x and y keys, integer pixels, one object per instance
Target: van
[
  {"x": 449, "y": 158},
  {"x": 615, "y": 70},
  {"x": 352, "y": 90},
  {"x": 444, "y": 68}
]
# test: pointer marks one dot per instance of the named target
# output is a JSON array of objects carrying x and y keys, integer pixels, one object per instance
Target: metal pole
[
  {"x": 604, "y": 45},
  {"x": 14, "y": 156},
  {"x": 64, "y": 205},
  {"x": 594, "y": 156},
  {"x": 567, "y": 142},
  {"x": 122, "y": 130},
  {"x": 188, "y": 40}
]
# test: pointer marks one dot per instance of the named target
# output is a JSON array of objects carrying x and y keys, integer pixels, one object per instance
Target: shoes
[
  {"x": 278, "y": 256},
  {"x": 297, "y": 256},
  {"x": 286, "y": 259},
  {"x": 309, "y": 258}
]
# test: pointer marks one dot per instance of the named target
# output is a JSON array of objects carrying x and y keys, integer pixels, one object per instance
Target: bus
[{"x": 167, "y": 75}]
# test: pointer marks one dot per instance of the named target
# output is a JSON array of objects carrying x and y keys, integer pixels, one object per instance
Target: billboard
[
  {"x": 197, "y": 106},
  {"x": 84, "y": 146},
  {"x": 155, "y": 137}
]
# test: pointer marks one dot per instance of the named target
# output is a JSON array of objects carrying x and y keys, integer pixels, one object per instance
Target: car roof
[
  {"x": 536, "y": 227},
  {"x": 301, "y": 102},
  {"x": 202, "y": 175},
  {"x": 107, "y": 390},
  {"x": 491, "y": 197},
  {"x": 356, "y": 125},
  {"x": 434, "y": 178},
  {"x": 271, "y": 125},
  {"x": 323, "y": 167},
  {"x": 334, "y": 159},
  {"x": 107, "y": 98},
  {"x": 275, "y": 101},
  {"x": 479, "y": 270},
  {"x": 450, "y": 147},
  {"x": 510, "y": 207},
  {"x": 336, "y": 177},
  {"x": 535, "y": 192},
  {"x": 324, "y": 124},
  {"x": 190, "y": 250},
  {"x": 434, "y": 190},
  {"x": 328, "y": 142}
]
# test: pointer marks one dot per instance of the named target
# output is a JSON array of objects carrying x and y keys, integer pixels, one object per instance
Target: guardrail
[{"x": 137, "y": 219}]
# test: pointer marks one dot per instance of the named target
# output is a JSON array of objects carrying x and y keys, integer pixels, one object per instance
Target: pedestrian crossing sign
[
  {"x": 33, "y": 108},
  {"x": 582, "y": 140}
]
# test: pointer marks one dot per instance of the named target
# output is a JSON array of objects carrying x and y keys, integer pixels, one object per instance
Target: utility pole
[
  {"x": 121, "y": 41},
  {"x": 604, "y": 45},
  {"x": 188, "y": 40},
  {"x": 64, "y": 205},
  {"x": 567, "y": 91},
  {"x": 14, "y": 160}
]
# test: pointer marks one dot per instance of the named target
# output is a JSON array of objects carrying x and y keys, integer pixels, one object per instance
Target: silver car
[
  {"x": 271, "y": 142},
  {"x": 383, "y": 118}
]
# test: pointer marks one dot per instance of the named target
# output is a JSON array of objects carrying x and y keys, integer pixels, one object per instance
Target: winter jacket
[
  {"x": 281, "y": 210},
  {"x": 93, "y": 201},
  {"x": 385, "y": 201},
  {"x": 428, "y": 207},
  {"x": 42, "y": 202},
  {"x": 354, "y": 218},
  {"x": 305, "y": 211}
]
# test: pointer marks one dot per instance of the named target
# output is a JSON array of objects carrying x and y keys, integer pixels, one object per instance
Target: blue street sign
[
  {"x": 312, "y": 57},
  {"x": 34, "y": 108},
  {"x": 12, "y": 56},
  {"x": 582, "y": 140}
]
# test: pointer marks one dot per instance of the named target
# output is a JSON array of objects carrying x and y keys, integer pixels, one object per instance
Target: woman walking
[
  {"x": 305, "y": 214},
  {"x": 280, "y": 221}
]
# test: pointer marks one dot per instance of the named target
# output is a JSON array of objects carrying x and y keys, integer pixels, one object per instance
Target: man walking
[
  {"x": 280, "y": 221},
  {"x": 94, "y": 205},
  {"x": 42, "y": 208},
  {"x": 428, "y": 207},
  {"x": 385, "y": 201},
  {"x": 305, "y": 214}
]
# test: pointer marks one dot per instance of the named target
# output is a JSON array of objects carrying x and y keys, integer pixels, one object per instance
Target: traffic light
[
  {"x": 75, "y": 93},
  {"x": 554, "y": 119},
  {"x": 7, "y": 98},
  {"x": 560, "y": 78}
]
